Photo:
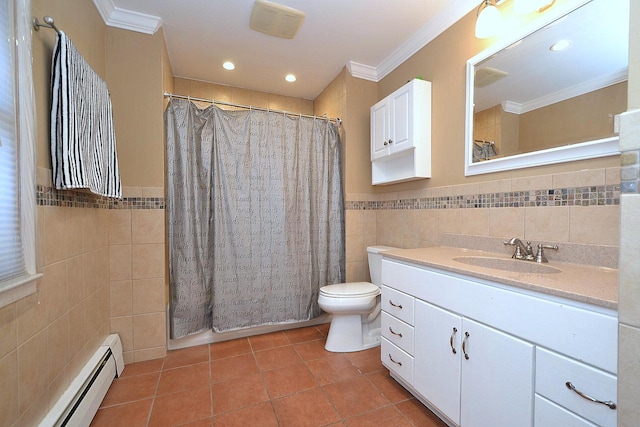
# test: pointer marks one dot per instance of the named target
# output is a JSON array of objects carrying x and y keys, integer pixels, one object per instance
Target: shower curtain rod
[{"x": 250, "y": 107}]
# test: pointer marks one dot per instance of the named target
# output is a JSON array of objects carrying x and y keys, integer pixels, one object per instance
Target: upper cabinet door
[
  {"x": 401, "y": 119},
  {"x": 379, "y": 130}
]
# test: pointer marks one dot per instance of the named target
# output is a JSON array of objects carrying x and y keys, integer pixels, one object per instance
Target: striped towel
[{"x": 83, "y": 143}]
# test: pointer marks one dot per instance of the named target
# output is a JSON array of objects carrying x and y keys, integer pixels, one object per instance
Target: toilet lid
[{"x": 350, "y": 290}]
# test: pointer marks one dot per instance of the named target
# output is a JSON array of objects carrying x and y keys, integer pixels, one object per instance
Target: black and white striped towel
[{"x": 83, "y": 143}]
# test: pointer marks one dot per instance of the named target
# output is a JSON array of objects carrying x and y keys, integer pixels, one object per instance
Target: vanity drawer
[
  {"x": 398, "y": 304},
  {"x": 549, "y": 414},
  {"x": 553, "y": 371},
  {"x": 398, "y": 361},
  {"x": 397, "y": 332}
]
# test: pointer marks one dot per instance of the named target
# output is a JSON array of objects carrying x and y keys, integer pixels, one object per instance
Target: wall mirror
[{"x": 530, "y": 105}]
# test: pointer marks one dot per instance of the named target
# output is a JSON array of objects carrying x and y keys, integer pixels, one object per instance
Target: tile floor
[{"x": 277, "y": 379}]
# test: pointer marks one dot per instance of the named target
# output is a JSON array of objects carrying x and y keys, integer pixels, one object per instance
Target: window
[{"x": 17, "y": 169}]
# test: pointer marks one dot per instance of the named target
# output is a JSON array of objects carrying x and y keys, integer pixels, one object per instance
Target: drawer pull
[
  {"x": 608, "y": 403},
  {"x": 464, "y": 345},
  {"x": 397, "y": 363},
  {"x": 395, "y": 305},
  {"x": 453, "y": 334},
  {"x": 394, "y": 332}
]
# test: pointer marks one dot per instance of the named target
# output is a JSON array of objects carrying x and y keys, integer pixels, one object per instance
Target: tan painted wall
[
  {"x": 135, "y": 79},
  {"x": 235, "y": 95},
  {"x": 578, "y": 119},
  {"x": 582, "y": 118},
  {"x": 443, "y": 63}
]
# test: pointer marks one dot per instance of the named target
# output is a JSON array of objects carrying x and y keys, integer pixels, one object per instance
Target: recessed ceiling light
[
  {"x": 290, "y": 78},
  {"x": 560, "y": 45},
  {"x": 228, "y": 65}
]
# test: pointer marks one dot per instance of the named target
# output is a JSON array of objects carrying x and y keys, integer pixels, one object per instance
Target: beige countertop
[{"x": 585, "y": 283}]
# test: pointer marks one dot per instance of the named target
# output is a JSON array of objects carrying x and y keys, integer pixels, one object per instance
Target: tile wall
[
  {"x": 579, "y": 211},
  {"x": 137, "y": 273},
  {"x": 628, "y": 309},
  {"x": 133, "y": 262},
  {"x": 46, "y": 338},
  {"x": 103, "y": 271}
]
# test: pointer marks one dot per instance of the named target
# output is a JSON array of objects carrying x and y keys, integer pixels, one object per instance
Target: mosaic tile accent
[
  {"x": 579, "y": 196},
  {"x": 49, "y": 196},
  {"x": 630, "y": 172}
]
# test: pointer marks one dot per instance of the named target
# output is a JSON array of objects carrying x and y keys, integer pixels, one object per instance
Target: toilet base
[{"x": 347, "y": 334}]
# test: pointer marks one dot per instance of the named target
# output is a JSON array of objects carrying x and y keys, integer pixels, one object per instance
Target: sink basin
[{"x": 504, "y": 264}]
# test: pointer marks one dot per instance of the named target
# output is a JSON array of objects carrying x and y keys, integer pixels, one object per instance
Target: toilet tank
[{"x": 375, "y": 262}]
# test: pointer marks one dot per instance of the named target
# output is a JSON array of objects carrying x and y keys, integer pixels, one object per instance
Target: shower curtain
[{"x": 255, "y": 216}]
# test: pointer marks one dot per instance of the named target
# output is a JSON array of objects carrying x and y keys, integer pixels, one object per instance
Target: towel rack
[{"x": 48, "y": 23}]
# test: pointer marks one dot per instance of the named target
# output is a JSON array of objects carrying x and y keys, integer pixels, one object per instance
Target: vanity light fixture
[
  {"x": 522, "y": 7},
  {"x": 228, "y": 65},
  {"x": 290, "y": 78},
  {"x": 489, "y": 19}
]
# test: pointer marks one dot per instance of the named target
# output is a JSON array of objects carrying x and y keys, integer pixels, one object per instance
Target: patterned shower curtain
[{"x": 255, "y": 216}]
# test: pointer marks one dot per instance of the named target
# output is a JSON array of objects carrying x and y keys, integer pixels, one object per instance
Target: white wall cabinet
[
  {"x": 401, "y": 134},
  {"x": 485, "y": 354}
]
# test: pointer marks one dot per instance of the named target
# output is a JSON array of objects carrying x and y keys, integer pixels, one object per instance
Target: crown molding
[
  {"x": 127, "y": 20},
  {"x": 362, "y": 71},
  {"x": 568, "y": 93},
  {"x": 436, "y": 26}
]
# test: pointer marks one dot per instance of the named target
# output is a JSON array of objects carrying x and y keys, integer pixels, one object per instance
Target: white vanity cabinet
[
  {"x": 397, "y": 344},
  {"x": 401, "y": 134},
  {"x": 486, "y": 354},
  {"x": 474, "y": 374}
]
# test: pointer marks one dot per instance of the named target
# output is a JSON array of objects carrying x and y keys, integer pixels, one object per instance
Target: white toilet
[{"x": 355, "y": 309}]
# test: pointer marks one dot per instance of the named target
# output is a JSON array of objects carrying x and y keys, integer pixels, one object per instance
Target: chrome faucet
[
  {"x": 525, "y": 252},
  {"x": 522, "y": 251}
]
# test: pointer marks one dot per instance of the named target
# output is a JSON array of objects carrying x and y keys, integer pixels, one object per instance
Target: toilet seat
[{"x": 350, "y": 290}]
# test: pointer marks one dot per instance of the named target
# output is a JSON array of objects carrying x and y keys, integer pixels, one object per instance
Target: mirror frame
[{"x": 568, "y": 153}]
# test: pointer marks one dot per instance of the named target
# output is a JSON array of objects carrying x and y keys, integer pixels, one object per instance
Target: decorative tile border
[
  {"x": 630, "y": 172},
  {"x": 578, "y": 196},
  {"x": 49, "y": 196}
]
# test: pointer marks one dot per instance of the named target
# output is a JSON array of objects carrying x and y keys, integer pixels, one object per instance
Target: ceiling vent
[
  {"x": 275, "y": 19},
  {"x": 487, "y": 75}
]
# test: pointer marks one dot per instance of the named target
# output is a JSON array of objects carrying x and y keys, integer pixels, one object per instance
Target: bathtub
[{"x": 208, "y": 337}]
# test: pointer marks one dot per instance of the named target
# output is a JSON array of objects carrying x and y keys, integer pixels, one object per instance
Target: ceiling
[{"x": 371, "y": 37}]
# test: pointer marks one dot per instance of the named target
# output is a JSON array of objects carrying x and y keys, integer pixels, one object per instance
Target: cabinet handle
[
  {"x": 608, "y": 403},
  {"x": 385, "y": 143},
  {"x": 397, "y": 363},
  {"x": 464, "y": 345},
  {"x": 453, "y": 334},
  {"x": 394, "y": 332},
  {"x": 391, "y": 141},
  {"x": 395, "y": 305}
]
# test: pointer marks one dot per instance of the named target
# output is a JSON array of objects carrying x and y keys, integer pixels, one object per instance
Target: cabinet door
[
  {"x": 379, "y": 130},
  {"x": 437, "y": 353},
  {"x": 497, "y": 378},
  {"x": 401, "y": 119}
]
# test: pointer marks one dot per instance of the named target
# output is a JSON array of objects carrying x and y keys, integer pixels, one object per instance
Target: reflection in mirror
[{"x": 529, "y": 104}]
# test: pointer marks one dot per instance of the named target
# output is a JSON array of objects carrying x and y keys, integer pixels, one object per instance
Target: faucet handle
[{"x": 540, "y": 256}]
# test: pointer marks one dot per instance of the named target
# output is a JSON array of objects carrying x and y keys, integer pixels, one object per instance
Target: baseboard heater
[{"x": 79, "y": 403}]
